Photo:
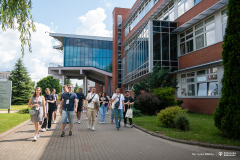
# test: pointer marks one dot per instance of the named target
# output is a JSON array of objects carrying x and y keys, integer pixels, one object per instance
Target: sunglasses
[{"x": 70, "y": 87}]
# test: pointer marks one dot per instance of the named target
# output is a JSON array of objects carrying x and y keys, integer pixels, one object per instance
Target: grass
[
  {"x": 11, "y": 120},
  {"x": 202, "y": 129},
  {"x": 17, "y": 107}
]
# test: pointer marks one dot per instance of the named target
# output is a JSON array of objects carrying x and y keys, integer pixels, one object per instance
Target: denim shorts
[{"x": 67, "y": 114}]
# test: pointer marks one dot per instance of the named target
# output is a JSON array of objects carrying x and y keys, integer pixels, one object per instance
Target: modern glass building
[
  {"x": 84, "y": 57},
  {"x": 79, "y": 52}
]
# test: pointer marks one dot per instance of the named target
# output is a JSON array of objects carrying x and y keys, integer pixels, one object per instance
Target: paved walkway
[{"x": 104, "y": 143}]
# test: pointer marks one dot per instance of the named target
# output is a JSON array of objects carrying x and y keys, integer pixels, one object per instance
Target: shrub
[
  {"x": 24, "y": 111},
  {"x": 181, "y": 122},
  {"x": 166, "y": 96},
  {"x": 167, "y": 115},
  {"x": 136, "y": 113},
  {"x": 148, "y": 103},
  {"x": 179, "y": 103}
]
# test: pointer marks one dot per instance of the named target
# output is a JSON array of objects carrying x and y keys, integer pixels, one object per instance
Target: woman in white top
[{"x": 37, "y": 103}]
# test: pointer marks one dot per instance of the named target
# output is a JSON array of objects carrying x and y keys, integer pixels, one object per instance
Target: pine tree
[
  {"x": 227, "y": 114},
  {"x": 22, "y": 86},
  {"x": 49, "y": 82},
  {"x": 76, "y": 88}
]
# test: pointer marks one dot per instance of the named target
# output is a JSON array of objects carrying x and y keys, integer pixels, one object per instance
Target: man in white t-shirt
[
  {"x": 91, "y": 109},
  {"x": 118, "y": 111}
]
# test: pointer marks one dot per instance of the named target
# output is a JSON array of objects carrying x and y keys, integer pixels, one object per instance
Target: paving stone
[{"x": 103, "y": 143}]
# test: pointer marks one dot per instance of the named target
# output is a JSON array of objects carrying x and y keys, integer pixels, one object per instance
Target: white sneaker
[
  {"x": 86, "y": 118},
  {"x": 101, "y": 122},
  {"x": 78, "y": 121},
  {"x": 93, "y": 129},
  {"x": 65, "y": 128},
  {"x": 43, "y": 130},
  {"x": 38, "y": 135},
  {"x": 89, "y": 126},
  {"x": 107, "y": 113},
  {"x": 35, "y": 138},
  {"x": 55, "y": 122},
  {"x": 48, "y": 129}
]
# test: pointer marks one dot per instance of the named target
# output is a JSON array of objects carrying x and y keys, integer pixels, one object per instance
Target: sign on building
[{"x": 5, "y": 94}]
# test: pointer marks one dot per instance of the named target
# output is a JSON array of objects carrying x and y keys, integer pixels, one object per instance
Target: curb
[
  {"x": 4, "y": 134},
  {"x": 215, "y": 146}
]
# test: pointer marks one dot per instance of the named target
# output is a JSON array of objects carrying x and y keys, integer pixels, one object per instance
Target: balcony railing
[{"x": 60, "y": 64}]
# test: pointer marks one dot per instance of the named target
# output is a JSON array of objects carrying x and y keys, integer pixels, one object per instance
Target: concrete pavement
[{"x": 103, "y": 143}]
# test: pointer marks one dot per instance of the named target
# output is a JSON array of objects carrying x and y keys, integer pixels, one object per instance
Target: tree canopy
[
  {"x": 16, "y": 14},
  {"x": 22, "y": 86},
  {"x": 49, "y": 82}
]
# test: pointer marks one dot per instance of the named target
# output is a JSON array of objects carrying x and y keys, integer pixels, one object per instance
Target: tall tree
[
  {"x": 49, "y": 82},
  {"x": 76, "y": 88},
  {"x": 16, "y": 14},
  {"x": 227, "y": 114},
  {"x": 22, "y": 86},
  {"x": 68, "y": 81}
]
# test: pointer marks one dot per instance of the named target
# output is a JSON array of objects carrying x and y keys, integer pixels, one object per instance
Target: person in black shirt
[
  {"x": 50, "y": 102},
  {"x": 128, "y": 101},
  {"x": 80, "y": 99}
]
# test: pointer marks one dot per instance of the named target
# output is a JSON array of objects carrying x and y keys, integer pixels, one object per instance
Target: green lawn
[
  {"x": 17, "y": 107},
  {"x": 7, "y": 121},
  {"x": 202, "y": 129}
]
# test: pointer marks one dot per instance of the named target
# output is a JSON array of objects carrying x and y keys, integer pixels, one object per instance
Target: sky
[{"x": 91, "y": 17}]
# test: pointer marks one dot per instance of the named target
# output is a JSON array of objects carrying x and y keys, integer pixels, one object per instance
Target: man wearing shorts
[
  {"x": 80, "y": 99},
  {"x": 68, "y": 106}
]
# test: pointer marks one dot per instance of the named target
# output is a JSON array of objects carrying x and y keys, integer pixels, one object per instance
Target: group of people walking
[{"x": 44, "y": 108}]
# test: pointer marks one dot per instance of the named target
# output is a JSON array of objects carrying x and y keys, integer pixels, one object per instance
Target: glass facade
[
  {"x": 136, "y": 61},
  {"x": 80, "y": 52},
  {"x": 119, "y": 51},
  {"x": 165, "y": 44}
]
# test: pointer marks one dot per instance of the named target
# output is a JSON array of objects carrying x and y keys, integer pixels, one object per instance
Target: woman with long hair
[
  {"x": 37, "y": 105},
  {"x": 103, "y": 107}
]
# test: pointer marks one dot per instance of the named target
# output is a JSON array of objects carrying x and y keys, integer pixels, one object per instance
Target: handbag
[
  {"x": 129, "y": 113},
  {"x": 96, "y": 105},
  {"x": 32, "y": 112},
  {"x": 117, "y": 104}
]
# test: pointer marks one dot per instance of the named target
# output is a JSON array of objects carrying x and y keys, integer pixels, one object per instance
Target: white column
[
  {"x": 85, "y": 84},
  {"x": 63, "y": 82},
  {"x": 150, "y": 45}
]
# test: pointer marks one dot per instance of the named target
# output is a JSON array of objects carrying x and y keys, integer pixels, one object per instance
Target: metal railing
[{"x": 60, "y": 64}]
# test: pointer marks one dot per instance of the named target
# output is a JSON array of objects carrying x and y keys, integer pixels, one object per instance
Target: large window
[
  {"x": 200, "y": 83},
  {"x": 186, "y": 41},
  {"x": 205, "y": 33},
  {"x": 136, "y": 61},
  {"x": 185, "y": 5},
  {"x": 167, "y": 14},
  {"x": 224, "y": 21},
  {"x": 88, "y": 53}
]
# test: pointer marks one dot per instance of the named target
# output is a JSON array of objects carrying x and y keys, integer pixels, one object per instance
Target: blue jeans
[
  {"x": 102, "y": 110},
  {"x": 118, "y": 113},
  {"x": 65, "y": 114},
  {"x": 112, "y": 114}
]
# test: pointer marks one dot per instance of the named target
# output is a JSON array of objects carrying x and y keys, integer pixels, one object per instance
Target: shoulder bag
[{"x": 117, "y": 104}]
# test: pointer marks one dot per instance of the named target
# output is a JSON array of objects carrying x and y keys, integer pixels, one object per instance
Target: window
[
  {"x": 186, "y": 42},
  {"x": 206, "y": 83},
  {"x": 205, "y": 30},
  {"x": 167, "y": 14},
  {"x": 224, "y": 21},
  {"x": 185, "y": 5}
]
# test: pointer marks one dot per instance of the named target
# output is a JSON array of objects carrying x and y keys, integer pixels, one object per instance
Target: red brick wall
[
  {"x": 123, "y": 12},
  {"x": 98, "y": 88},
  {"x": 200, "y": 105},
  {"x": 205, "y": 55}
]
